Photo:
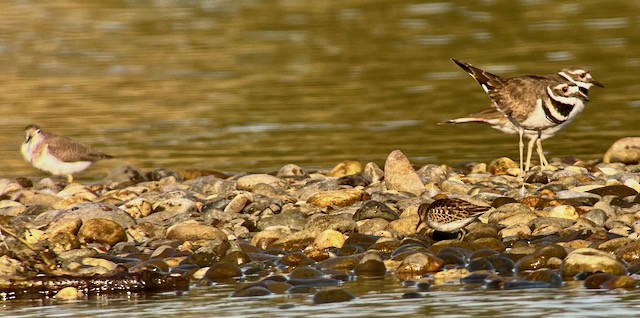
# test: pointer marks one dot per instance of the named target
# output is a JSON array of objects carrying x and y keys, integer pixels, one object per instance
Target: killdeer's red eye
[{"x": 565, "y": 88}]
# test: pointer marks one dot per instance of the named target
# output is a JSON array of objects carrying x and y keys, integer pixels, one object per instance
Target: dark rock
[
  {"x": 374, "y": 209},
  {"x": 326, "y": 296}
]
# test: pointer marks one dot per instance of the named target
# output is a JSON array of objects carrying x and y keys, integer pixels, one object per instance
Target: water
[
  {"x": 376, "y": 298},
  {"x": 253, "y": 85}
]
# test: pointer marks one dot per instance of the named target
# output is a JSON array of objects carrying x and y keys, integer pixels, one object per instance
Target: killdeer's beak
[
  {"x": 27, "y": 140},
  {"x": 583, "y": 96},
  {"x": 596, "y": 83}
]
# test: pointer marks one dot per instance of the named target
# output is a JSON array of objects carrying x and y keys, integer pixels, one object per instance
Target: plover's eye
[{"x": 565, "y": 88}]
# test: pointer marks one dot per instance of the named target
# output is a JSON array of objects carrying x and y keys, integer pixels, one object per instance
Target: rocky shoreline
[{"x": 306, "y": 232}]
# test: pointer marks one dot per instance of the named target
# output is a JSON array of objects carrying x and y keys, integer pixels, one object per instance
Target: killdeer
[
  {"x": 497, "y": 120},
  {"x": 449, "y": 214},
  {"x": 532, "y": 103},
  {"x": 57, "y": 154}
]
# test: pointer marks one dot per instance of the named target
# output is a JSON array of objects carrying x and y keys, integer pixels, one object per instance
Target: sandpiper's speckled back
[{"x": 450, "y": 214}]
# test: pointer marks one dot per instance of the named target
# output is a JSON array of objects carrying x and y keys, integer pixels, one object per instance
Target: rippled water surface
[{"x": 253, "y": 85}]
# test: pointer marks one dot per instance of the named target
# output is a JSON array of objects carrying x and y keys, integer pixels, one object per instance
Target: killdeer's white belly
[
  {"x": 48, "y": 162},
  {"x": 537, "y": 119}
]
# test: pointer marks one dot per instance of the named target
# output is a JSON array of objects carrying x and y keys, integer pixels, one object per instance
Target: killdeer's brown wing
[
  {"x": 518, "y": 95},
  {"x": 68, "y": 150},
  {"x": 488, "y": 81}
]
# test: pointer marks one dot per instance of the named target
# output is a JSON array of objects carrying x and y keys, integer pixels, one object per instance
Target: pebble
[
  {"x": 399, "y": 174},
  {"x": 304, "y": 233}
]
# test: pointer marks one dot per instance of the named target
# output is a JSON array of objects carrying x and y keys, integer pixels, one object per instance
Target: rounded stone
[
  {"x": 591, "y": 260},
  {"x": 334, "y": 295},
  {"x": 255, "y": 291},
  {"x": 250, "y": 181},
  {"x": 189, "y": 231},
  {"x": 399, "y": 174},
  {"x": 305, "y": 272},
  {"x": 564, "y": 212},
  {"x": 344, "y": 197},
  {"x": 329, "y": 238},
  {"x": 222, "y": 271},
  {"x": 625, "y": 150},
  {"x": 101, "y": 231},
  {"x": 291, "y": 171},
  {"x": 418, "y": 264},
  {"x": 370, "y": 268},
  {"x": 629, "y": 252},
  {"x": 374, "y": 209},
  {"x": 137, "y": 208},
  {"x": 501, "y": 166},
  {"x": 69, "y": 293},
  {"x": 345, "y": 168}
]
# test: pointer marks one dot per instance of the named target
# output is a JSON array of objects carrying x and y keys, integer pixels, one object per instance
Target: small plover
[{"x": 58, "y": 155}]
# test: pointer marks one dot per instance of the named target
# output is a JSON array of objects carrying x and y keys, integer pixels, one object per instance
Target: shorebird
[
  {"x": 449, "y": 214},
  {"x": 58, "y": 155},
  {"x": 530, "y": 102},
  {"x": 492, "y": 116}
]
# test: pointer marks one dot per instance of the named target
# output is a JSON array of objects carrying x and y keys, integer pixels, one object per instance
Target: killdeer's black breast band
[{"x": 561, "y": 108}]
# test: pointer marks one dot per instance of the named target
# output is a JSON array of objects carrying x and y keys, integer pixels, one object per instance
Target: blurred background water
[{"x": 253, "y": 85}]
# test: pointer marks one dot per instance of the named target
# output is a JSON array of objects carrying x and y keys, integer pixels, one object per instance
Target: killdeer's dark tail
[{"x": 488, "y": 81}]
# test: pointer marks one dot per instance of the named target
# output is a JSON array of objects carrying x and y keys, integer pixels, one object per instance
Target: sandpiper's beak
[{"x": 596, "y": 83}]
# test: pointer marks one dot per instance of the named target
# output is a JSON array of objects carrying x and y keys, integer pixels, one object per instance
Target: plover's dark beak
[
  {"x": 583, "y": 96},
  {"x": 596, "y": 83}
]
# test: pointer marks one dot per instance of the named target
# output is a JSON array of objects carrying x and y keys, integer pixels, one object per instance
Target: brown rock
[
  {"x": 591, "y": 260},
  {"x": 501, "y": 166},
  {"x": 334, "y": 295},
  {"x": 189, "y": 231},
  {"x": 102, "y": 231},
  {"x": 344, "y": 197},
  {"x": 419, "y": 264},
  {"x": 399, "y": 174},
  {"x": 345, "y": 168},
  {"x": 625, "y": 150},
  {"x": 329, "y": 238}
]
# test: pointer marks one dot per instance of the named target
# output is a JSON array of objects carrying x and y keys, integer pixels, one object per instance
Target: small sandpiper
[
  {"x": 531, "y": 102},
  {"x": 58, "y": 155},
  {"x": 449, "y": 214},
  {"x": 499, "y": 121}
]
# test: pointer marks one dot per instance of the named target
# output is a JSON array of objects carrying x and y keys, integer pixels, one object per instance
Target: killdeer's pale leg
[{"x": 58, "y": 155}]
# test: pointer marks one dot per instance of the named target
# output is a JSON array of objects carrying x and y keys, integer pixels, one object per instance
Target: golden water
[{"x": 253, "y": 85}]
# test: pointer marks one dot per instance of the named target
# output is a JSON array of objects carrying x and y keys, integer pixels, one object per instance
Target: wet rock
[
  {"x": 625, "y": 150},
  {"x": 305, "y": 272},
  {"x": 101, "y": 231},
  {"x": 329, "y": 238},
  {"x": 450, "y": 276},
  {"x": 338, "y": 263},
  {"x": 616, "y": 190},
  {"x": 591, "y": 260},
  {"x": 326, "y": 296},
  {"x": 399, "y": 174},
  {"x": 338, "y": 198},
  {"x": 69, "y": 293},
  {"x": 502, "y": 166},
  {"x": 374, "y": 209},
  {"x": 340, "y": 222},
  {"x": 255, "y": 291},
  {"x": 223, "y": 271},
  {"x": 418, "y": 264},
  {"x": 191, "y": 231},
  {"x": 292, "y": 171},
  {"x": 250, "y": 181},
  {"x": 624, "y": 282},
  {"x": 371, "y": 265},
  {"x": 345, "y": 168}
]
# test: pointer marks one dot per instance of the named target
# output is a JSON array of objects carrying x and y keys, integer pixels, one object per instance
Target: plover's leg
[
  {"x": 529, "y": 151},
  {"x": 463, "y": 233},
  {"x": 521, "y": 146},
  {"x": 543, "y": 160}
]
